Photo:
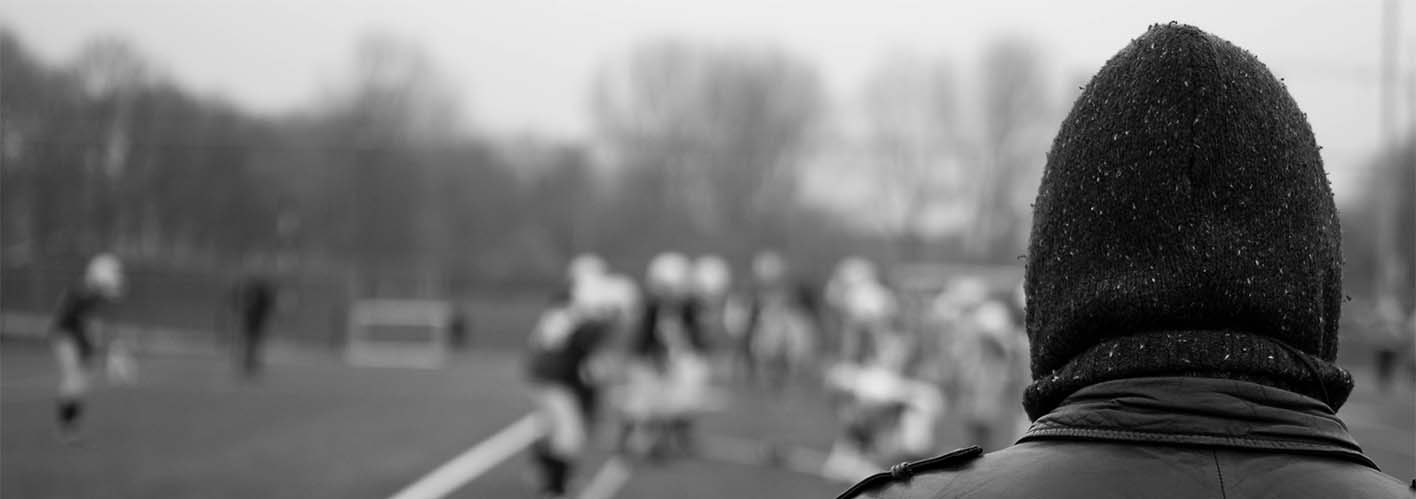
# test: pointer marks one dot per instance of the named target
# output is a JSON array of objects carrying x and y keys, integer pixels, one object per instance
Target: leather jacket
[{"x": 1161, "y": 437}]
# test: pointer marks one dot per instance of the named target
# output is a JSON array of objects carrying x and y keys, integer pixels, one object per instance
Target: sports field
[{"x": 315, "y": 427}]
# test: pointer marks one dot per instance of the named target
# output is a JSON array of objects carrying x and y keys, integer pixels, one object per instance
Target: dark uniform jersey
[
  {"x": 71, "y": 318},
  {"x": 560, "y": 348},
  {"x": 563, "y": 362},
  {"x": 649, "y": 339}
]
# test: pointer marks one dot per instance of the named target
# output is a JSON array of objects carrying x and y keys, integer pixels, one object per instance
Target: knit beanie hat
[{"x": 1184, "y": 227}]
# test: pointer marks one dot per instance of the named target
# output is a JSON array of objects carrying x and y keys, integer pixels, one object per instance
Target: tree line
[{"x": 696, "y": 147}]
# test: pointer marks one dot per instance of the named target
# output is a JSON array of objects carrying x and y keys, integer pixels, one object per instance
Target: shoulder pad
[{"x": 904, "y": 471}]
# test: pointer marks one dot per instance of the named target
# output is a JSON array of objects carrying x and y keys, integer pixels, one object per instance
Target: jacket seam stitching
[
  {"x": 1188, "y": 438},
  {"x": 1220, "y": 472},
  {"x": 1179, "y": 437}
]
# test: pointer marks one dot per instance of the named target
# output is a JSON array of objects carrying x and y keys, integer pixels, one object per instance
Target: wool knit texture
[{"x": 1184, "y": 226}]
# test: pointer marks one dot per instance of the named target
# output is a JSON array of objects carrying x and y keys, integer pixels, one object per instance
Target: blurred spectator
[
  {"x": 254, "y": 299},
  {"x": 458, "y": 329},
  {"x": 1389, "y": 339}
]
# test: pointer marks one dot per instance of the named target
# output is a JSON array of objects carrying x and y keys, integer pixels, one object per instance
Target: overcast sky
[{"x": 524, "y": 66}]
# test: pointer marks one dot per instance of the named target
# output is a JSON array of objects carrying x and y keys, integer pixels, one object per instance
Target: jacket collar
[{"x": 1199, "y": 411}]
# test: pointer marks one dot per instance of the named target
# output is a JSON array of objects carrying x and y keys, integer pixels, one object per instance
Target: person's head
[
  {"x": 871, "y": 303},
  {"x": 586, "y": 266},
  {"x": 593, "y": 297},
  {"x": 104, "y": 276},
  {"x": 623, "y": 295},
  {"x": 668, "y": 276},
  {"x": 1184, "y": 227},
  {"x": 855, "y": 270},
  {"x": 711, "y": 276}
]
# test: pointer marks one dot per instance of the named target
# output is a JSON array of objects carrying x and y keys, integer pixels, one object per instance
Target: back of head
[
  {"x": 586, "y": 266},
  {"x": 1184, "y": 227},
  {"x": 668, "y": 275},
  {"x": 855, "y": 270},
  {"x": 711, "y": 276},
  {"x": 105, "y": 275}
]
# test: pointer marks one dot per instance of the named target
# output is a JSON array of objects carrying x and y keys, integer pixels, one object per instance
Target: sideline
[
  {"x": 475, "y": 461},
  {"x": 608, "y": 481}
]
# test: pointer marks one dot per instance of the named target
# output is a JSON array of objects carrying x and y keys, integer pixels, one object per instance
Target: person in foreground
[{"x": 1183, "y": 289}]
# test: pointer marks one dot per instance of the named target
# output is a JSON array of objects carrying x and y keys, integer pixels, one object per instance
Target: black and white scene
[{"x": 683, "y": 249}]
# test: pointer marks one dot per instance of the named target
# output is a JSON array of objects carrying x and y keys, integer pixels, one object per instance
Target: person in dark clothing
[
  {"x": 1183, "y": 289},
  {"x": 1388, "y": 339},
  {"x": 561, "y": 347},
  {"x": 72, "y": 337},
  {"x": 254, "y": 302}
]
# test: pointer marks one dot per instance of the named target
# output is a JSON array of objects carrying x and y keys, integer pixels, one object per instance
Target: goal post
[{"x": 398, "y": 333}]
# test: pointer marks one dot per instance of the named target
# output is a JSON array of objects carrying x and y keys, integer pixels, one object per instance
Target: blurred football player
[
  {"x": 713, "y": 304},
  {"x": 782, "y": 339},
  {"x": 74, "y": 330},
  {"x": 990, "y": 356},
  {"x": 864, "y": 308},
  {"x": 561, "y": 348},
  {"x": 886, "y": 414},
  {"x": 668, "y": 370}
]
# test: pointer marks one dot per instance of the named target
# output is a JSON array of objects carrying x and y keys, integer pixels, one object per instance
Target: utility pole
[
  {"x": 1387, "y": 279},
  {"x": 1390, "y": 33}
]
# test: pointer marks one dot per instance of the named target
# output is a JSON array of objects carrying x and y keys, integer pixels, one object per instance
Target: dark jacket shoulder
[
  {"x": 1083, "y": 469},
  {"x": 1169, "y": 437}
]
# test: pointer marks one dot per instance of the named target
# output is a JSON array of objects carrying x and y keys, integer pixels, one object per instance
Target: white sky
[{"x": 524, "y": 66}]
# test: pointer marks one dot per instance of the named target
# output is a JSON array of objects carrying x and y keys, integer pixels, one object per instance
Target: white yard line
[
  {"x": 475, "y": 461},
  {"x": 806, "y": 461},
  {"x": 608, "y": 481}
]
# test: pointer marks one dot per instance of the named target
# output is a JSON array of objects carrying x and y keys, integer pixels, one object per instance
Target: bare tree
[
  {"x": 715, "y": 130},
  {"x": 113, "y": 74},
  {"x": 377, "y": 133},
  {"x": 112, "y": 70},
  {"x": 1013, "y": 142},
  {"x": 396, "y": 93},
  {"x": 915, "y": 148}
]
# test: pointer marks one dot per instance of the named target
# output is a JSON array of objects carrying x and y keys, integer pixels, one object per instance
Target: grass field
[
  {"x": 317, "y": 428},
  {"x": 314, "y": 427}
]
